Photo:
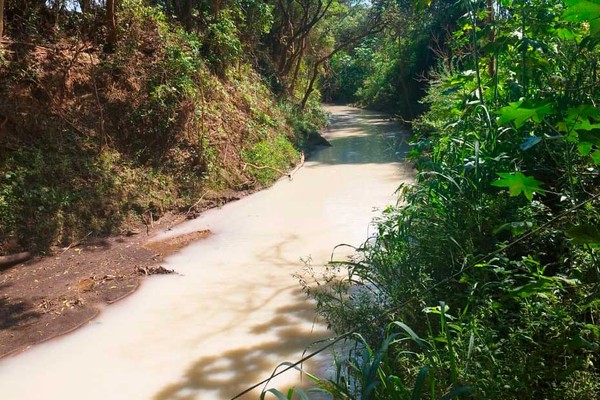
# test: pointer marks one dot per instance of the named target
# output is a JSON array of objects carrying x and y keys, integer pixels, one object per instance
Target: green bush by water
[{"x": 502, "y": 225}]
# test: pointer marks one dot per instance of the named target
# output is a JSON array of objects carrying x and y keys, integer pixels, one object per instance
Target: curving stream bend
[{"x": 235, "y": 312}]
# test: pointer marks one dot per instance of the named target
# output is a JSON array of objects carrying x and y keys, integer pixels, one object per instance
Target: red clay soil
[{"x": 50, "y": 296}]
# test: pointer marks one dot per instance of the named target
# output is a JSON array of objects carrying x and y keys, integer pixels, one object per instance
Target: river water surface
[{"x": 235, "y": 311}]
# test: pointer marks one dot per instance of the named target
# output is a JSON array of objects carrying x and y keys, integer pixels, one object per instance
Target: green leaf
[
  {"x": 584, "y": 234},
  {"x": 582, "y": 11},
  {"x": 520, "y": 112},
  {"x": 579, "y": 342},
  {"x": 533, "y": 288},
  {"x": 516, "y": 228},
  {"x": 585, "y": 125},
  {"x": 419, "y": 384},
  {"x": 301, "y": 393},
  {"x": 459, "y": 391},
  {"x": 565, "y": 34},
  {"x": 276, "y": 392},
  {"x": 590, "y": 137},
  {"x": 584, "y": 148},
  {"x": 422, "y": 343},
  {"x": 518, "y": 183},
  {"x": 596, "y": 157}
]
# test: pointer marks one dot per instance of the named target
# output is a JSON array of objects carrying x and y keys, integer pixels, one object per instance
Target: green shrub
[{"x": 270, "y": 156}]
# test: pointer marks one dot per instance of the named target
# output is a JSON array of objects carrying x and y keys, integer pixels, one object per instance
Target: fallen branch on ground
[
  {"x": 196, "y": 203},
  {"x": 280, "y": 172},
  {"x": 77, "y": 243},
  {"x": 160, "y": 270},
  {"x": 291, "y": 174}
]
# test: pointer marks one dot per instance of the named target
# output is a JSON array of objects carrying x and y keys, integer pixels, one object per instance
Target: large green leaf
[
  {"x": 590, "y": 137},
  {"x": 518, "y": 183},
  {"x": 580, "y": 119},
  {"x": 584, "y": 11},
  {"x": 516, "y": 228},
  {"x": 584, "y": 234},
  {"x": 540, "y": 286},
  {"x": 584, "y": 148},
  {"x": 520, "y": 112}
]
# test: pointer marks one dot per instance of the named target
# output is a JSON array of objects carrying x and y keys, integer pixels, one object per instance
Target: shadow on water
[
  {"x": 360, "y": 148},
  {"x": 363, "y": 138},
  {"x": 358, "y": 137},
  {"x": 227, "y": 374},
  {"x": 275, "y": 255},
  {"x": 375, "y": 149}
]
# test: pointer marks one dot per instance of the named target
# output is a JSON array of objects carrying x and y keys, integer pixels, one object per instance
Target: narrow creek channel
[{"x": 234, "y": 312}]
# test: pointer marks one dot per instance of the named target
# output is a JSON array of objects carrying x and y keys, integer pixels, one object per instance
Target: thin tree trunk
[
  {"x": 297, "y": 70},
  {"x": 311, "y": 85},
  {"x": 111, "y": 25},
  {"x": 1, "y": 19},
  {"x": 57, "y": 8},
  {"x": 186, "y": 12},
  {"x": 85, "y": 5},
  {"x": 216, "y": 8},
  {"x": 491, "y": 18}
]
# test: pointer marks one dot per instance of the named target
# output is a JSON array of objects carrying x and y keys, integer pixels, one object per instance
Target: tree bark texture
[
  {"x": 1, "y": 19},
  {"x": 111, "y": 24},
  {"x": 85, "y": 5}
]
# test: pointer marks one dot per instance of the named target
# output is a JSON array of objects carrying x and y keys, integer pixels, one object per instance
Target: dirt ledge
[{"x": 51, "y": 296}]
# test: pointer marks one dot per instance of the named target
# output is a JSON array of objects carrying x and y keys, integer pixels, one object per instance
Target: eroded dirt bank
[{"x": 50, "y": 296}]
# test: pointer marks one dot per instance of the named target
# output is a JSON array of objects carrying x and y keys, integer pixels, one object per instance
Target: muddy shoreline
[{"x": 50, "y": 296}]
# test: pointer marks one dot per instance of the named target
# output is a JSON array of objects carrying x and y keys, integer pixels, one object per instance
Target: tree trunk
[
  {"x": 216, "y": 8},
  {"x": 1, "y": 19},
  {"x": 492, "y": 38},
  {"x": 111, "y": 25},
  {"x": 297, "y": 70},
  {"x": 339, "y": 47},
  {"x": 85, "y": 5},
  {"x": 187, "y": 10},
  {"x": 311, "y": 85}
]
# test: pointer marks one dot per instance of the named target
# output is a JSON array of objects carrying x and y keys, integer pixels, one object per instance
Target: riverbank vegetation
[
  {"x": 484, "y": 282},
  {"x": 113, "y": 113}
]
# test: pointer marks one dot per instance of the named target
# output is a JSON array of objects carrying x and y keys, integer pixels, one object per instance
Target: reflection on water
[
  {"x": 235, "y": 312},
  {"x": 361, "y": 137}
]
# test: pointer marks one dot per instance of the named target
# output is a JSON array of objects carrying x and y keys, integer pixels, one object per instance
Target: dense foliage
[
  {"x": 388, "y": 71},
  {"x": 115, "y": 112},
  {"x": 485, "y": 283}
]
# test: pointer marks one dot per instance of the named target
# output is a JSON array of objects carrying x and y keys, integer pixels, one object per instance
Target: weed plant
[{"x": 492, "y": 258}]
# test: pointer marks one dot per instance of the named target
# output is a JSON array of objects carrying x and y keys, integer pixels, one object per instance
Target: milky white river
[{"x": 235, "y": 311}]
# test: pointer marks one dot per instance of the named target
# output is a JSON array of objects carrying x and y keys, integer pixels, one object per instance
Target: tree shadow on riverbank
[
  {"x": 227, "y": 374},
  {"x": 14, "y": 313}
]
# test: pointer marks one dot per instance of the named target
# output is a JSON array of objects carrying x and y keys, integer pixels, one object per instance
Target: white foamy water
[{"x": 235, "y": 312}]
